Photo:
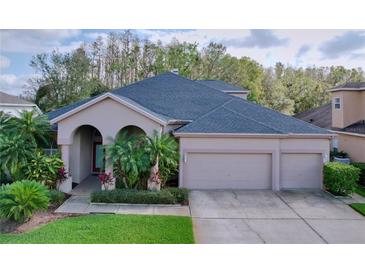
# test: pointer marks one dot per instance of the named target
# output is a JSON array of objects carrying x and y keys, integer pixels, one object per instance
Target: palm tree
[
  {"x": 15, "y": 152},
  {"x": 131, "y": 162},
  {"x": 5, "y": 122},
  {"x": 164, "y": 155},
  {"x": 33, "y": 127}
]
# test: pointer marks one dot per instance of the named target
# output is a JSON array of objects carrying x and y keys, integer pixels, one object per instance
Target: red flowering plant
[
  {"x": 106, "y": 180},
  {"x": 62, "y": 174}
]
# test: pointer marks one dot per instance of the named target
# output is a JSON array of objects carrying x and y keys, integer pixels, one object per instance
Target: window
[{"x": 337, "y": 103}]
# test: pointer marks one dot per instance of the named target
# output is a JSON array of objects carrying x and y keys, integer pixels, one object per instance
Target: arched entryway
[{"x": 87, "y": 158}]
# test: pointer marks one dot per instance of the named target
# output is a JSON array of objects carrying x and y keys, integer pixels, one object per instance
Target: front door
[{"x": 98, "y": 157}]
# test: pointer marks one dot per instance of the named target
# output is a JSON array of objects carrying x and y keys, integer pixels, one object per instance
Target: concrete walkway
[
  {"x": 81, "y": 205},
  {"x": 269, "y": 217},
  {"x": 87, "y": 186}
]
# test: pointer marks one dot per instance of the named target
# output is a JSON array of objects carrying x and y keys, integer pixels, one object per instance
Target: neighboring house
[
  {"x": 345, "y": 116},
  {"x": 225, "y": 142},
  {"x": 13, "y": 105}
]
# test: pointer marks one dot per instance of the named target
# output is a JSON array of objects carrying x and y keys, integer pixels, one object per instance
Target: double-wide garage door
[
  {"x": 227, "y": 171},
  {"x": 250, "y": 171}
]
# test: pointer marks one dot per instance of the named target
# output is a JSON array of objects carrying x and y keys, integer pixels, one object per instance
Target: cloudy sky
[{"x": 294, "y": 47}]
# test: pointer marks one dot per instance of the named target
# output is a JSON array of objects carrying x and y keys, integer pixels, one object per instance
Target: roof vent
[{"x": 175, "y": 71}]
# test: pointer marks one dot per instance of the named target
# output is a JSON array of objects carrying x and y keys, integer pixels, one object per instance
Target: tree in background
[{"x": 122, "y": 58}]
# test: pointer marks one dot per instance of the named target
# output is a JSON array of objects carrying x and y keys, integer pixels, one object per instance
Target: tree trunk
[{"x": 154, "y": 181}]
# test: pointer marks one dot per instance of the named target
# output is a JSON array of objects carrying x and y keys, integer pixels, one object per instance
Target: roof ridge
[{"x": 261, "y": 123}]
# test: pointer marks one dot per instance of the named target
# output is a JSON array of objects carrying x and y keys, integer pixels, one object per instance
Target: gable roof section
[
  {"x": 222, "y": 86},
  {"x": 91, "y": 101},
  {"x": 174, "y": 96},
  {"x": 320, "y": 117},
  {"x": 240, "y": 116},
  {"x": 167, "y": 96},
  {"x": 13, "y": 100}
]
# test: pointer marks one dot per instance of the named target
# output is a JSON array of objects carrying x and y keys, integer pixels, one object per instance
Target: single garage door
[
  {"x": 301, "y": 170},
  {"x": 227, "y": 171}
]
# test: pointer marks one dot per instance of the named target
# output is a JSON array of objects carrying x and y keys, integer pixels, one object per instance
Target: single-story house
[
  {"x": 13, "y": 105},
  {"x": 344, "y": 116},
  {"x": 226, "y": 142}
]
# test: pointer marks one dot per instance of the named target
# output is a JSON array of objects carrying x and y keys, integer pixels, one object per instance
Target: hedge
[
  {"x": 181, "y": 194},
  {"x": 165, "y": 196},
  {"x": 361, "y": 166},
  {"x": 340, "y": 179}
]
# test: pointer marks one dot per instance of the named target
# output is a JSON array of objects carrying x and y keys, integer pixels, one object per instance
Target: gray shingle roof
[
  {"x": 170, "y": 96},
  {"x": 63, "y": 110},
  {"x": 11, "y": 99},
  {"x": 241, "y": 116},
  {"x": 174, "y": 96},
  {"x": 320, "y": 117},
  {"x": 350, "y": 86},
  {"x": 358, "y": 128},
  {"x": 221, "y": 85}
]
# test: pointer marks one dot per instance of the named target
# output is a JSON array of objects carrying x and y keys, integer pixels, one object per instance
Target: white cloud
[
  {"x": 35, "y": 41},
  {"x": 287, "y": 53},
  {"x": 13, "y": 84},
  {"x": 4, "y": 62}
]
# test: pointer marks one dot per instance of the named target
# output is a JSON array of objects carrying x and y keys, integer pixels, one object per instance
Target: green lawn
[
  {"x": 359, "y": 208},
  {"x": 360, "y": 190},
  {"x": 109, "y": 229}
]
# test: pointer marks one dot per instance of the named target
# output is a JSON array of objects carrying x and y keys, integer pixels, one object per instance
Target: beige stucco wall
[
  {"x": 352, "y": 108},
  {"x": 353, "y": 145},
  {"x": 108, "y": 116},
  {"x": 81, "y": 154},
  {"x": 275, "y": 146}
]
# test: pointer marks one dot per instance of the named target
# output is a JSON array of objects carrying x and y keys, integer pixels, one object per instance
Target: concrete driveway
[{"x": 273, "y": 217}]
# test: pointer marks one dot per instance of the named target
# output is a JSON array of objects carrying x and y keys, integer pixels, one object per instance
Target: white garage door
[
  {"x": 301, "y": 170},
  {"x": 227, "y": 171}
]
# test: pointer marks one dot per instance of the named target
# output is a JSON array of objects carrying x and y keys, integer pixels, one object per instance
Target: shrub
[
  {"x": 181, "y": 194},
  {"x": 133, "y": 197},
  {"x": 19, "y": 200},
  {"x": 131, "y": 160},
  {"x": 340, "y": 179},
  {"x": 56, "y": 197},
  {"x": 45, "y": 169},
  {"x": 361, "y": 166}
]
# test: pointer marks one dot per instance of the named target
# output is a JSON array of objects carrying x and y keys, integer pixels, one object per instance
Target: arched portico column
[
  {"x": 108, "y": 163},
  {"x": 66, "y": 185}
]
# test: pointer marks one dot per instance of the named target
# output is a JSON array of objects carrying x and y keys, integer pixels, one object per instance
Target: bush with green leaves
[
  {"x": 130, "y": 160},
  {"x": 132, "y": 196},
  {"x": 15, "y": 154},
  {"x": 361, "y": 166},
  {"x": 44, "y": 169},
  {"x": 19, "y": 200},
  {"x": 181, "y": 194},
  {"x": 56, "y": 197},
  {"x": 340, "y": 179}
]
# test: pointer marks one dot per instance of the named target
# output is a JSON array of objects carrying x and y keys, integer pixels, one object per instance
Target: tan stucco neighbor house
[
  {"x": 344, "y": 116},
  {"x": 226, "y": 142}
]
